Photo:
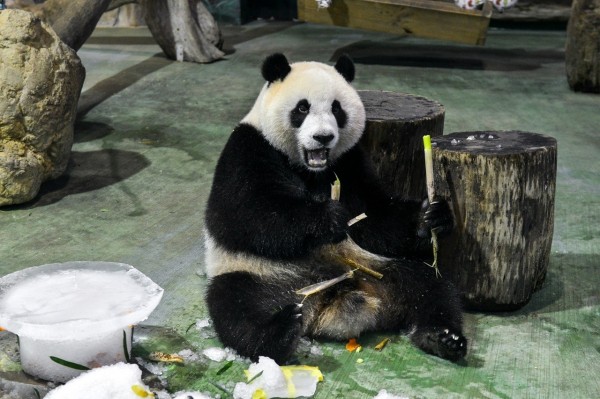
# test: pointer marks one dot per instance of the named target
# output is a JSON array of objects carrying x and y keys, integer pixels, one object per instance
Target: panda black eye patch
[
  {"x": 299, "y": 113},
  {"x": 339, "y": 113}
]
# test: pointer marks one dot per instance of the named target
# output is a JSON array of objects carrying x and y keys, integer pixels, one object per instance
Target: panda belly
[{"x": 343, "y": 311}]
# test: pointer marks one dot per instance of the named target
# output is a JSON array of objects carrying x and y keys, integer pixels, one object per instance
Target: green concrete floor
[{"x": 152, "y": 129}]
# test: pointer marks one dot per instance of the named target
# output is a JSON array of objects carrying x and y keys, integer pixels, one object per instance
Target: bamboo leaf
[
  {"x": 220, "y": 387},
  {"x": 37, "y": 393},
  {"x": 255, "y": 377},
  {"x": 190, "y": 326},
  {"x": 125, "y": 351},
  {"x": 225, "y": 367},
  {"x": 68, "y": 364}
]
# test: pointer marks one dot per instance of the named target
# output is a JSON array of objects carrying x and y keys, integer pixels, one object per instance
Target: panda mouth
[{"x": 316, "y": 158}]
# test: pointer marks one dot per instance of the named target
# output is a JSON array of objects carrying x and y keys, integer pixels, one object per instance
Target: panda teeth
[{"x": 317, "y": 158}]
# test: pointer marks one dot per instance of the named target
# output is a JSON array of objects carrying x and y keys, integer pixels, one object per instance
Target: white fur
[
  {"x": 220, "y": 261},
  {"x": 320, "y": 84}
]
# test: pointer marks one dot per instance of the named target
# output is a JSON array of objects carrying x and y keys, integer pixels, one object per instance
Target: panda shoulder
[{"x": 245, "y": 138}]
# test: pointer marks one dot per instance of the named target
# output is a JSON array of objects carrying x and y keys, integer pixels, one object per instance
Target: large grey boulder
[{"x": 40, "y": 82}]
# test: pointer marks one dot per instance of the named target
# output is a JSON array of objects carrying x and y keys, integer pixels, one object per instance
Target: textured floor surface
[{"x": 146, "y": 146}]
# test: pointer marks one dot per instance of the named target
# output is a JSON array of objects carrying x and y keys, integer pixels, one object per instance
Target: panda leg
[
  {"x": 438, "y": 325},
  {"x": 254, "y": 317},
  {"x": 425, "y": 305},
  {"x": 346, "y": 315}
]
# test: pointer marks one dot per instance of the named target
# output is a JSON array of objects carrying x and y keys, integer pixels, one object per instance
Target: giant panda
[{"x": 273, "y": 228}]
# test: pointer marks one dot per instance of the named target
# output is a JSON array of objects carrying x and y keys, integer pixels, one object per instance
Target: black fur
[
  {"x": 262, "y": 205},
  {"x": 345, "y": 67},
  {"x": 339, "y": 113},
  {"x": 275, "y": 67}
]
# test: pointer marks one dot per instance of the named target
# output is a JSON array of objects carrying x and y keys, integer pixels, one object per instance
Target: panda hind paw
[
  {"x": 453, "y": 345},
  {"x": 446, "y": 343}
]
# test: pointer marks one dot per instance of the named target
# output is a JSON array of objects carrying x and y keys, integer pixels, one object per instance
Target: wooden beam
[{"x": 423, "y": 18}]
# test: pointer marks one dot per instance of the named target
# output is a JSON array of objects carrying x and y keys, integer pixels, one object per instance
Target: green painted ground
[{"x": 150, "y": 134}]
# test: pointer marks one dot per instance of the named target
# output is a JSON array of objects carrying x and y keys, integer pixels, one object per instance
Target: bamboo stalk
[
  {"x": 430, "y": 195},
  {"x": 364, "y": 269}
]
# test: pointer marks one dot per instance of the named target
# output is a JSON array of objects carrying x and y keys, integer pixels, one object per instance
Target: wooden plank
[{"x": 424, "y": 18}]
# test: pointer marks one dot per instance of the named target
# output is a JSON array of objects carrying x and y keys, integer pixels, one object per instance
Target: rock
[
  {"x": 40, "y": 82},
  {"x": 582, "y": 53}
]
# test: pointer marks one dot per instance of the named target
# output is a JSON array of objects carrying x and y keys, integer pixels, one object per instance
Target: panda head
[{"x": 308, "y": 110}]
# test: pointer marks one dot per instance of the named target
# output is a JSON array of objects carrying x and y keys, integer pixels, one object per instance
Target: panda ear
[
  {"x": 345, "y": 66},
  {"x": 275, "y": 67}
]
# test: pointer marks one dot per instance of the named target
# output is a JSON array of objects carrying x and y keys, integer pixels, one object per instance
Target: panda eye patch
[
  {"x": 303, "y": 106},
  {"x": 299, "y": 113},
  {"x": 339, "y": 113},
  {"x": 336, "y": 107}
]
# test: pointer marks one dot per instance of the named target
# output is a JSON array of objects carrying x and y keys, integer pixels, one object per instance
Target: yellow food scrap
[
  {"x": 141, "y": 391},
  {"x": 312, "y": 370},
  {"x": 165, "y": 357},
  {"x": 353, "y": 346},
  {"x": 382, "y": 344},
  {"x": 359, "y": 360},
  {"x": 259, "y": 394}
]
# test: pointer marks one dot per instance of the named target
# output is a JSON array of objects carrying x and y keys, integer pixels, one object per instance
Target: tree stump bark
[
  {"x": 184, "y": 30},
  {"x": 501, "y": 187},
  {"x": 582, "y": 52},
  {"x": 396, "y": 124}
]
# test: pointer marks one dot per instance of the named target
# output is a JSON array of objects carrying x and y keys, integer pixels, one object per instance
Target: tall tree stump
[
  {"x": 501, "y": 187},
  {"x": 396, "y": 124},
  {"x": 582, "y": 51}
]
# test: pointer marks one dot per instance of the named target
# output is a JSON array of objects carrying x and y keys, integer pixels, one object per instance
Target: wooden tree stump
[
  {"x": 396, "y": 124},
  {"x": 501, "y": 187},
  {"x": 582, "y": 51}
]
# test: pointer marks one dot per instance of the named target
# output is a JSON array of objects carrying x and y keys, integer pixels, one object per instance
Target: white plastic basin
[{"x": 81, "y": 312}]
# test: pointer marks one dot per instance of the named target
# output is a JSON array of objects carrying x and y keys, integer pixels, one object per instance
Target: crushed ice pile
[
  {"x": 79, "y": 312},
  {"x": 119, "y": 381},
  {"x": 383, "y": 394}
]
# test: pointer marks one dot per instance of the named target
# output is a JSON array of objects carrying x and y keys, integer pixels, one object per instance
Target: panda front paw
[
  {"x": 284, "y": 333},
  {"x": 290, "y": 314},
  {"x": 435, "y": 216}
]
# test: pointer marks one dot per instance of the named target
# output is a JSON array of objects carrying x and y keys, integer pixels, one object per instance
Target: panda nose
[{"x": 323, "y": 138}]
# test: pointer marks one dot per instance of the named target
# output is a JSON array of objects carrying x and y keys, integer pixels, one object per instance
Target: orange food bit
[{"x": 352, "y": 345}]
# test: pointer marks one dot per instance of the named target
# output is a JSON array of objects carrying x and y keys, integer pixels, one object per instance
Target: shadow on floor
[
  {"x": 109, "y": 87},
  {"x": 571, "y": 283},
  {"x": 88, "y": 171},
  {"x": 233, "y": 35},
  {"x": 122, "y": 40},
  {"x": 448, "y": 56}
]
